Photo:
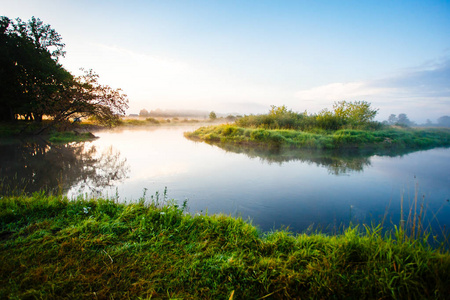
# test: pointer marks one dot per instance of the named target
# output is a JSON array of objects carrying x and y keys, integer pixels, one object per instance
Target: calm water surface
[{"x": 274, "y": 190}]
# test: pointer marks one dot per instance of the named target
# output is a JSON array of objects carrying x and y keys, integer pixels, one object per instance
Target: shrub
[
  {"x": 259, "y": 135},
  {"x": 152, "y": 120}
]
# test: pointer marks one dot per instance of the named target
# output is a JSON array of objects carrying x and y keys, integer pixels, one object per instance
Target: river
[{"x": 296, "y": 189}]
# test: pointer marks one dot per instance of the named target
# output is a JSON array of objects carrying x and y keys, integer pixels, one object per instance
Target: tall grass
[
  {"x": 414, "y": 224},
  {"x": 98, "y": 248},
  {"x": 345, "y": 138}
]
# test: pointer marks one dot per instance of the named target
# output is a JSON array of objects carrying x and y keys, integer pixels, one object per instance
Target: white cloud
[
  {"x": 161, "y": 82},
  {"x": 340, "y": 91},
  {"x": 420, "y": 93}
]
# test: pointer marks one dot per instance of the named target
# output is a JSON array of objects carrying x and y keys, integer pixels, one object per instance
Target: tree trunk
[
  {"x": 37, "y": 117},
  {"x": 6, "y": 114}
]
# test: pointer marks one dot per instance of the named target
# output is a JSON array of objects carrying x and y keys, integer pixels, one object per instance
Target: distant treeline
[
  {"x": 181, "y": 113},
  {"x": 443, "y": 121},
  {"x": 173, "y": 113},
  {"x": 403, "y": 120}
]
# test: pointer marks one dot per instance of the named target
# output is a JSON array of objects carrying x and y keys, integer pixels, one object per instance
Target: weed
[{"x": 56, "y": 248}]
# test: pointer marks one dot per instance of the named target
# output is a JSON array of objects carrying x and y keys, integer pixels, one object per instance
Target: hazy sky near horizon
[{"x": 243, "y": 56}]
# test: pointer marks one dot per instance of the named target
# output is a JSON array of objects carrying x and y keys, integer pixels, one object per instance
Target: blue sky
[{"x": 243, "y": 56}]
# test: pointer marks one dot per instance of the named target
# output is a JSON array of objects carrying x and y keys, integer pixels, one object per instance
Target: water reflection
[
  {"x": 33, "y": 165},
  {"x": 337, "y": 162},
  {"x": 273, "y": 188}
]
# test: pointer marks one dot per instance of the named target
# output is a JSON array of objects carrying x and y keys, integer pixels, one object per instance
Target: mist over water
[{"x": 292, "y": 189}]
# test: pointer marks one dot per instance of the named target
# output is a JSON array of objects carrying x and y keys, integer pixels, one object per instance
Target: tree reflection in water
[
  {"x": 36, "y": 165},
  {"x": 337, "y": 162}
]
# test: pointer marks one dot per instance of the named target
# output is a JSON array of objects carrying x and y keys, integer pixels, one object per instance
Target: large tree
[
  {"x": 33, "y": 83},
  {"x": 403, "y": 120},
  {"x": 444, "y": 121},
  {"x": 392, "y": 120},
  {"x": 29, "y": 72},
  {"x": 86, "y": 97},
  {"x": 355, "y": 113},
  {"x": 347, "y": 114}
]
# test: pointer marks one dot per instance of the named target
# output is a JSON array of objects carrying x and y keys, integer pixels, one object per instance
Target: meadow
[
  {"x": 152, "y": 248},
  {"x": 65, "y": 132},
  {"x": 53, "y": 248},
  {"x": 348, "y": 125},
  {"x": 388, "y": 138}
]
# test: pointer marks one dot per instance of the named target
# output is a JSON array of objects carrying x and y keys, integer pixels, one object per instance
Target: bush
[
  {"x": 278, "y": 118},
  {"x": 152, "y": 120},
  {"x": 259, "y": 135},
  {"x": 350, "y": 115},
  {"x": 327, "y": 121}
]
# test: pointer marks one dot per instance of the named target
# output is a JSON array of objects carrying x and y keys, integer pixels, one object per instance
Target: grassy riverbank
[
  {"x": 82, "y": 131},
  {"x": 55, "y": 248},
  {"x": 399, "y": 138},
  {"x": 63, "y": 133}
]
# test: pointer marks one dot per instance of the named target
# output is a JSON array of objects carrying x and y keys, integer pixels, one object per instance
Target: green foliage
[
  {"x": 34, "y": 84},
  {"x": 345, "y": 114},
  {"x": 52, "y": 247},
  {"x": 30, "y": 74},
  {"x": 328, "y": 121},
  {"x": 8, "y": 130},
  {"x": 212, "y": 115},
  {"x": 350, "y": 125},
  {"x": 356, "y": 115},
  {"x": 70, "y": 136},
  {"x": 278, "y": 118},
  {"x": 320, "y": 139},
  {"x": 86, "y": 97}
]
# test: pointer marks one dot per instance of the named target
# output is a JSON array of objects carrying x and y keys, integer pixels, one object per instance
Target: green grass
[
  {"x": 8, "y": 130},
  {"x": 70, "y": 136},
  {"x": 61, "y": 133},
  {"x": 139, "y": 122},
  {"x": 20, "y": 127},
  {"x": 55, "y": 248},
  {"x": 320, "y": 139}
]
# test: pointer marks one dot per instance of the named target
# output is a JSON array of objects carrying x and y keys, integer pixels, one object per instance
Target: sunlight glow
[{"x": 242, "y": 58}]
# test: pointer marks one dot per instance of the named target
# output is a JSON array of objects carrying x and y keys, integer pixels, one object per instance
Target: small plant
[{"x": 102, "y": 248}]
